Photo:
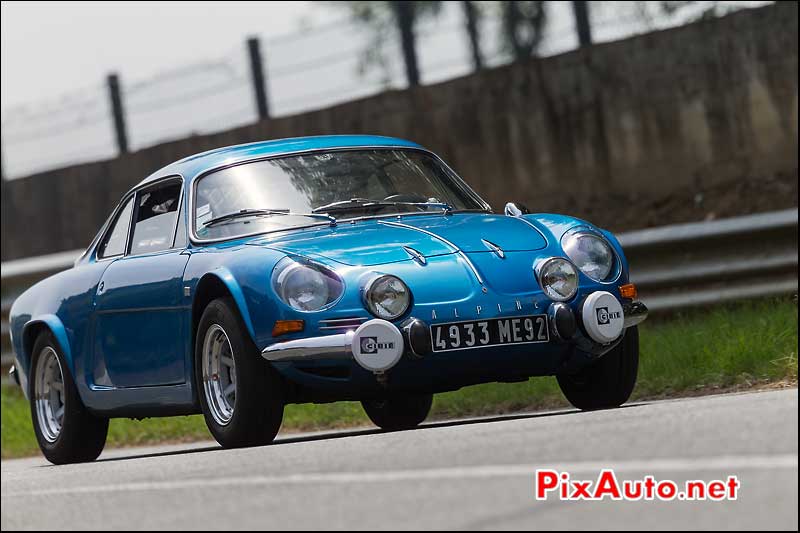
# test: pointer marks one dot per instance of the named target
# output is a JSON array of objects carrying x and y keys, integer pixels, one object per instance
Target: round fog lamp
[
  {"x": 387, "y": 297},
  {"x": 558, "y": 278}
]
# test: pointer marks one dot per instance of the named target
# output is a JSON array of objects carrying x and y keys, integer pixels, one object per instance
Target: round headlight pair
[
  {"x": 387, "y": 297},
  {"x": 591, "y": 253},
  {"x": 306, "y": 286}
]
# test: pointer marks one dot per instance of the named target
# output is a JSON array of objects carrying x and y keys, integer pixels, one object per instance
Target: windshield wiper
[
  {"x": 266, "y": 213},
  {"x": 345, "y": 204},
  {"x": 356, "y": 203}
]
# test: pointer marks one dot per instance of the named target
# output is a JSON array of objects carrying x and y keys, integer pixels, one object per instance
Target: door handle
[{"x": 101, "y": 287}]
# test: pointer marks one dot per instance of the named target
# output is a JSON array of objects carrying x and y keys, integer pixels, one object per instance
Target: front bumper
[
  {"x": 635, "y": 313},
  {"x": 339, "y": 346},
  {"x": 416, "y": 339}
]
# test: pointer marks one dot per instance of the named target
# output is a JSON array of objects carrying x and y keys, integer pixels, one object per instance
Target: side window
[
  {"x": 114, "y": 241},
  {"x": 156, "y": 212}
]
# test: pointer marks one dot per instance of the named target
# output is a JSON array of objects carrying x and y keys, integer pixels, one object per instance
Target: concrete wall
[{"x": 600, "y": 132}]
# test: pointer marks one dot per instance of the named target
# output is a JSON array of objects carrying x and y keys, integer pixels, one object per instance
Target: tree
[
  {"x": 384, "y": 16},
  {"x": 685, "y": 11},
  {"x": 523, "y": 25},
  {"x": 405, "y": 15},
  {"x": 472, "y": 16},
  {"x": 522, "y": 28}
]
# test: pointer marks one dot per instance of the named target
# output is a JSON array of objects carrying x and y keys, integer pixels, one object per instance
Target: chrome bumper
[
  {"x": 328, "y": 347},
  {"x": 635, "y": 313},
  {"x": 340, "y": 346}
]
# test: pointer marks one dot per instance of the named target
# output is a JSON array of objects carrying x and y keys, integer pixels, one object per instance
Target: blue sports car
[{"x": 316, "y": 269}]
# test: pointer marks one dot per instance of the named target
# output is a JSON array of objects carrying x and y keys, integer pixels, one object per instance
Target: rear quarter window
[{"x": 114, "y": 242}]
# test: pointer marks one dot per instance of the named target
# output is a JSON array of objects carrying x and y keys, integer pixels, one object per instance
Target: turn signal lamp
[
  {"x": 282, "y": 327},
  {"x": 628, "y": 291}
]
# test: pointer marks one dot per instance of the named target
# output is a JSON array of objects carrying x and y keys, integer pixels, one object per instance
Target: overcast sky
[
  {"x": 50, "y": 47},
  {"x": 184, "y": 69}
]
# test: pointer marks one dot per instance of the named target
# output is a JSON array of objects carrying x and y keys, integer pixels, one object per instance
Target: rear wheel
[
  {"x": 65, "y": 430},
  {"x": 396, "y": 413},
  {"x": 609, "y": 381},
  {"x": 241, "y": 395}
]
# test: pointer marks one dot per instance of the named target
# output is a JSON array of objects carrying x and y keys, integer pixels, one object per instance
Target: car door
[{"x": 140, "y": 316}]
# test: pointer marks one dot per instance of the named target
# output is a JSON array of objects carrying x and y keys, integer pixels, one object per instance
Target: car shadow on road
[{"x": 334, "y": 435}]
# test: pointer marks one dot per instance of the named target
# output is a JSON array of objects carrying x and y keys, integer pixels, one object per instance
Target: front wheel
[
  {"x": 240, "y": 394},
  {"x": 398, "y": 413},
  {"x": 65, "y": 430},
  {"x": 609, "y": 381}
]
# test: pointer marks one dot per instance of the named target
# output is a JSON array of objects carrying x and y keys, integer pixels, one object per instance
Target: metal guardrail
[
  {"x": 703, "y": 263},
  {"x": 674, "y": 266},
  {"x": 18, "y": 275}
]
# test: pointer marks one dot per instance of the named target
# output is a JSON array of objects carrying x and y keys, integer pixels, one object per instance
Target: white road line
[{"x": 728, "y": 464}]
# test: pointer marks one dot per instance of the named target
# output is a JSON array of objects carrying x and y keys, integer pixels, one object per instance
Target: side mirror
[{"x": 516, "y": 210}]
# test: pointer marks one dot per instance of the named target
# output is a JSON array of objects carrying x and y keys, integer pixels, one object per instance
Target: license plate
[{"x": 491, "y": 332}]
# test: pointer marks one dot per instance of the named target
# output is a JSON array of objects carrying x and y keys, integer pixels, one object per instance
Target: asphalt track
[{"x": 469, "y": 474}]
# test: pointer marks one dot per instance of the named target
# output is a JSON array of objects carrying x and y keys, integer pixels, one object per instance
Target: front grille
[{"x": 342, "y": 324}]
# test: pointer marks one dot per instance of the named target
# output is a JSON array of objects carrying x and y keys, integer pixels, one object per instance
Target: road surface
[{"x": 470, "y": 474}]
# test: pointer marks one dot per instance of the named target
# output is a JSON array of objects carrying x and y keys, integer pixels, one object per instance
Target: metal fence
[
  {"x": 307, "y": 68},
  {"x": 674, "y": 266}
]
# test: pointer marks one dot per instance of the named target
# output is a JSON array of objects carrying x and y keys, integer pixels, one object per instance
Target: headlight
[
  {"x": 306, "y": 286},
  {"x": 387, "y": 297},
  {"x": 558, "y": 278},
  {"x": 591, "y": 253}
]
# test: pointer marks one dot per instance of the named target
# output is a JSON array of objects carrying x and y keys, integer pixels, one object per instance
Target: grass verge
[{"x": 736, "y": 346}]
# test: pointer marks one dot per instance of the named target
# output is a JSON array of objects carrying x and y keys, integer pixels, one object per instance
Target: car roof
[{"x": 194, "y": 165}]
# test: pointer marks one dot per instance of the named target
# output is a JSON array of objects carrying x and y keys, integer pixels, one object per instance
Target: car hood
[{"x": 380, "y": 241}]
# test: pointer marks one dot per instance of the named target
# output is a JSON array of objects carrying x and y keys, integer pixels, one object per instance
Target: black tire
[
  {"x": 609, "y": 381},
  {"x": 398, "y": 413},
  {"x": 258, "y": 405},
  {"x": 82, "y": 435}
]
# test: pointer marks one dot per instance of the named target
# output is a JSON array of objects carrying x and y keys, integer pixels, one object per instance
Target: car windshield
[{"x": 313, "y": 188}]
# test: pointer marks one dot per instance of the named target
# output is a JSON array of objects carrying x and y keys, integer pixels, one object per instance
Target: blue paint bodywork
[{"x": 126, "y": 325}]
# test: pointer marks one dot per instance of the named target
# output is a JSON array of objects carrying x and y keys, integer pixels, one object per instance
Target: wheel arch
[
  {"x": 35, "y": 327},
  {"x": 219, "y": 284}
]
